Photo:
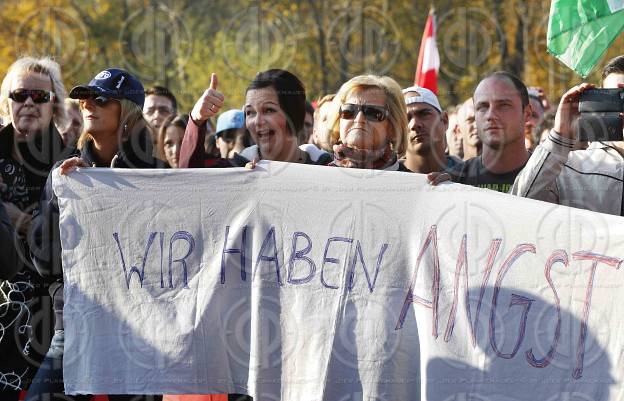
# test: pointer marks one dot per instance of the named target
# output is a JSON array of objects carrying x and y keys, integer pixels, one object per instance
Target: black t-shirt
[{"x": 473, "y": 172}]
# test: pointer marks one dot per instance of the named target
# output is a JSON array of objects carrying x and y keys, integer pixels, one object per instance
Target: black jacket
[
  {"x": 25, "y": 179},
  {"x": 24, "y": 294},
  {"x": 45, "y": 244},
  {"x": 9, "y": 246}
]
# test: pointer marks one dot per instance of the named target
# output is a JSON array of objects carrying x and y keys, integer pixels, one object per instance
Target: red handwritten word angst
[{"x": 430, "y": 245}]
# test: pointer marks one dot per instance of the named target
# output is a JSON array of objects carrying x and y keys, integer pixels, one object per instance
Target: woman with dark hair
[
  {"x": 170, "y": 139},
  {"x": 114, "y": 135},
  {"x": 274, "y": 114}
]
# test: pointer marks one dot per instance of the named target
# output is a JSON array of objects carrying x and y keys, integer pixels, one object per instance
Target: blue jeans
[{"x": 48, "y": 382}]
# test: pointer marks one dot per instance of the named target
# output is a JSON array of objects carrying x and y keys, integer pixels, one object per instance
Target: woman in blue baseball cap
[{"x": 114, "y": 135}]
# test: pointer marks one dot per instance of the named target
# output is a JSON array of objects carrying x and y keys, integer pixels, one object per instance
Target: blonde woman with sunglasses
[
  {"x": 368, "y": 123},
  {"x": 114, "y": 135}
]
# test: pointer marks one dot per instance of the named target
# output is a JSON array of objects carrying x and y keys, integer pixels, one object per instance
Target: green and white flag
[{"x": 580, "y": 31}]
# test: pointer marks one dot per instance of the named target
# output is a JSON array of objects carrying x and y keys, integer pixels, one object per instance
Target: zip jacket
[{"x": 590, "y": 179}]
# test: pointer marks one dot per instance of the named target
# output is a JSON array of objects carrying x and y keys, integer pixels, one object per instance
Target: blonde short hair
[
  {"x": 45, "y": 66},
  {"x": 131, "y": 122},
  {"x": 394, "y": 101},
  {"x": 321, "y": 101}
]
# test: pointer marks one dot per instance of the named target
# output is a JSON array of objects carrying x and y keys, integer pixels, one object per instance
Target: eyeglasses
[
  {"x": 160, "y": 109},
  {"x": 37, "y": 95},
  {"x": 100, "y": 101},
  {"x": 349, "y": 111}
]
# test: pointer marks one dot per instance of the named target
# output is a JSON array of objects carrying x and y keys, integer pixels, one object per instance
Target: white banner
[
  {"x": 310, "y": 283},
  {"x": 616, "y": 5}
]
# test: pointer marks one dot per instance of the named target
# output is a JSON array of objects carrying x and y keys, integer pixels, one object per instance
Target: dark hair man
[
  {"x": 537, "y": 113},
  {"x": 501, "y": 107},
  {"x": 159, "y": 104},
  {"x": 426, "y": 139},
  {"x": 587, "y": 179}
]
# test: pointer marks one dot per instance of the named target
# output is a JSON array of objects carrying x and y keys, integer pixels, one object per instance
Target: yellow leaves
[{"x": 178, "y": 43}]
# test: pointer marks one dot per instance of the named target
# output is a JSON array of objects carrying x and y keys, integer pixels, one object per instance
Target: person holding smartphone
[{"x": 591, "y": 179}]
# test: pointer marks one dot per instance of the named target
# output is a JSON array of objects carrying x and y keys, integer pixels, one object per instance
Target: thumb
[{"x": 213, "y": 81}]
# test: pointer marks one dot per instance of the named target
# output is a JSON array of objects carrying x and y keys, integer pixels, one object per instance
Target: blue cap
[
  {"x": 234, "y": 118},
  {"x": 112, "y": 82}
]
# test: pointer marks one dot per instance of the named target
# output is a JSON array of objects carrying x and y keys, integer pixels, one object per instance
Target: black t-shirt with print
[{"x": 473, "y": 172}]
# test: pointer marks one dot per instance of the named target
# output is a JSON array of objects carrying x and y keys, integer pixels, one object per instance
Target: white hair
[{"x": 43, "y": 65}]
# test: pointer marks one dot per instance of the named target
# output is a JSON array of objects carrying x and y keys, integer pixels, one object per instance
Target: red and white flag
[{"x": 428, "y": 57}]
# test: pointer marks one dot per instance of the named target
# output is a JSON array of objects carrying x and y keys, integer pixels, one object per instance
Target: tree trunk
[
  {"x": 318, "y": 12},
  {"x": 503, "y": 46},
  {"x": 520, "y": 36}
]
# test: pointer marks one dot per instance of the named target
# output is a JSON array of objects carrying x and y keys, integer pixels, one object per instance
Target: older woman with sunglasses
[
  {"x": 114, "y": 135},
  {"x": 31, "y": 102},
  {"x": 368, "y": 125}
]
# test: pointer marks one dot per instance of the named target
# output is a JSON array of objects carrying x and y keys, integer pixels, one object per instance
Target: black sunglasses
[
  {"x": 37, "y": 95},
  {"x": 99, "y": 101},
  {"x": 349, "y": 111}
]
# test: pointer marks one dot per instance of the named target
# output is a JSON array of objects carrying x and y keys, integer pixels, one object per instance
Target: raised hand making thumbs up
[{"x": 210, "y": 102}]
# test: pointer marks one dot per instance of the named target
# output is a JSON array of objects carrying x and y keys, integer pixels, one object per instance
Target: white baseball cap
[{"x": 424, "y": 96}]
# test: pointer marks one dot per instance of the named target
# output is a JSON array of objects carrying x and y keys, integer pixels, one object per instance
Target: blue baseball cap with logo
[
  {"x": 230, "y": 119},
  {"x": 114, "y": 83}
]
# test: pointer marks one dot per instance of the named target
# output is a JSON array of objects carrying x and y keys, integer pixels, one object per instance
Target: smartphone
[{"x": 600, "y": 115}]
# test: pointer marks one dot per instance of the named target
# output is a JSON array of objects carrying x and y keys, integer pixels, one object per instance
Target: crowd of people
[{"x": 505, "y": 137}]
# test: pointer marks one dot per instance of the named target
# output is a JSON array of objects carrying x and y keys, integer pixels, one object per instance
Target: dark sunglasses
[
  {"x": 349, "y": 111},
  {"x": 99, "y": 101},
  {"x": 37, "y": 95}
]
